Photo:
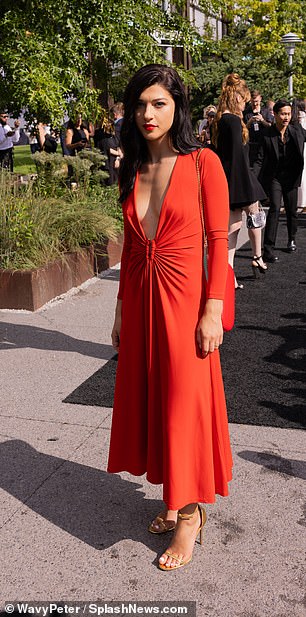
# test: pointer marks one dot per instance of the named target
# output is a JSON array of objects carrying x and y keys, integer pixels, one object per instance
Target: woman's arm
[
  {"x": 216, "y": 214},
  {"x": 210, "y": 330},
  {"x": 124, "y": 264},
  {"x": 117, "y": 326},
  {"x": 78, "y": 144}
]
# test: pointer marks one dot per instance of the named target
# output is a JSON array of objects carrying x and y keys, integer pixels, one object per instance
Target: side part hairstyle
[
  {"x": 118, "y": 108},
  {"x": 133, "y": 143},
  {"x": 232, "y": 86},
  {"x": 280, "y": 103}
]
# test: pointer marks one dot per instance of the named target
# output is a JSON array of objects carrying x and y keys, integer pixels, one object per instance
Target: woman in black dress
[
  {"x": 230, "y": 138},
  {"x": 77, "y": 135},
  {"x": 105, "y": 140}
]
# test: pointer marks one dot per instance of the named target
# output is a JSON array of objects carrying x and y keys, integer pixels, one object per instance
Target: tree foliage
[
  {"x": 53, "y": 50},
  {"x": 54, "y": 53},
  {"x": 253, "y": 49}
]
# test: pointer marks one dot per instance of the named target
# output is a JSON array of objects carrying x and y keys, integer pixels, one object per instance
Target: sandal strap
[
  {"x": 163, "y": 523},
  {"x": 187, "y": 517},
  {"x": 172, "y": 555},
  {"x": 160, "y": 521}
]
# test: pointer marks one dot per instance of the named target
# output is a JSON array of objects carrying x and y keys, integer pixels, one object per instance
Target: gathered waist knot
[{"x": 150, "y": 249}]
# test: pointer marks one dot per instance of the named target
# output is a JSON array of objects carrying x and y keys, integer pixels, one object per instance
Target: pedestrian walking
[
  {"x": 230, "y": 138},
  {"x": 279, "y": 168},
  {"x": 169, "y": 418}
]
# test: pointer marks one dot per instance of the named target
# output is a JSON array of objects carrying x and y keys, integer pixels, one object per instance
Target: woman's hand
[
  {"x": 210, "y": 330},
  {"x": 117, "y": 326}
]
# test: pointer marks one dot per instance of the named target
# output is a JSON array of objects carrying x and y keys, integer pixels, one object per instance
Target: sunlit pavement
[{"x": 69, "y": 531}]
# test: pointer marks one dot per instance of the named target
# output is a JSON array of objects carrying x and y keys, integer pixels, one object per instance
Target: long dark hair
[{"x": 133, "y": 143}]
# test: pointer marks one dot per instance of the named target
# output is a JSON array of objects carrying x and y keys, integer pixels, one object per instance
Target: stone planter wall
[
  {"x": 31, "y": 289},
  {"x": 108, "y": 254}
]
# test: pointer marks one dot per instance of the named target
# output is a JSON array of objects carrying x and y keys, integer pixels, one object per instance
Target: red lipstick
[{"x": 149, "y": 127}]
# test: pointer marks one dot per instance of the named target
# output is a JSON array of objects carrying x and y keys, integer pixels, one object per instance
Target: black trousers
[
  {"x": 276, "y": 192},
  {"x": 6, "y": 159}
]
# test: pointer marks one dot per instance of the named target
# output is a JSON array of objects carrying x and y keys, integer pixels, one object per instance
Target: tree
[
  {"x": 53, "y": 52},
  {"x": 253, "y": 49}
]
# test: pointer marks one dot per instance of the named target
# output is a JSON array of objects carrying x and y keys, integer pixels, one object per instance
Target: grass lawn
[{"x": 23, "y": 163}]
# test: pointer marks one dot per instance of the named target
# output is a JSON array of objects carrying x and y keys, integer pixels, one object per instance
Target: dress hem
[{"x": 170, "y": 506}]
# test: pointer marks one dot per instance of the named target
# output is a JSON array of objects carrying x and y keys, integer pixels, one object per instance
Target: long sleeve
[
  {"x": 124, "y": 258},
  {"x": 2, "y": 134},
  {"x": 216, "y": 215},
  {"x": 15, "y": 138}
]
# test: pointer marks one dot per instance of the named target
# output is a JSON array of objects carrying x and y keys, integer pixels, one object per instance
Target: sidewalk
[{"x": 69, "y": 531}]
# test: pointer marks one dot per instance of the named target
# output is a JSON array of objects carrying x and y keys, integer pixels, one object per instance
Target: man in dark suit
[
  {"x": 279, "y": 166},
  {"x": 118, "y": 112},
  {"x": 256, "y": 122}
]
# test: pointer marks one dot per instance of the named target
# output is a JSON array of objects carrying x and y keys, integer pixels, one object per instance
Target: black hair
[
  {"x": 297, "y": 106},
  {"x": 279, "y": 104},
  {"x": 133, "y": 143},
  {"x": 72, "y": 125}
]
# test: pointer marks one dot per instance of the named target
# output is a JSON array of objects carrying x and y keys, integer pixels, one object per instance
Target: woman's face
[{"x": 154, "y": 112}]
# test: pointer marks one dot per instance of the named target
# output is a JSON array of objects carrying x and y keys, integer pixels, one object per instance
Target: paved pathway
[{"x": 69, "y": 531}]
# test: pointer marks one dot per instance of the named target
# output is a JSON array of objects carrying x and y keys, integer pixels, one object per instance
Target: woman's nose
[{"x": 148, "y": 112}]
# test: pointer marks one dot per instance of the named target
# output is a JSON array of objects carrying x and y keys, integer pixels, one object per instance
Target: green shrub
[
  {"x": 55, "y": 173},
  {"x": 36, "y": 227}
]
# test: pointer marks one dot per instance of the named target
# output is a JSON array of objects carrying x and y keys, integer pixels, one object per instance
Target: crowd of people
[
  {"x": 263, "y": 155},
  {"x": 75, "y": 135},
  {"x": 261, "y": 150}
]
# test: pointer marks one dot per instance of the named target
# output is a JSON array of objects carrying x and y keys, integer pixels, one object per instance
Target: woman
[
  {"x": 105, "y": 140},
  {"x": 169, "y": 416},
  {"x": 205, "y": 136},
  {"x": 230, "y": 138},
  {"x": 77, "y": 135}
]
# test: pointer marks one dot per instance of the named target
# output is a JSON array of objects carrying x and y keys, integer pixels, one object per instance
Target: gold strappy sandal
[
  {"x": 183, "y": 562},
  {"x": 163, "y": 523}
]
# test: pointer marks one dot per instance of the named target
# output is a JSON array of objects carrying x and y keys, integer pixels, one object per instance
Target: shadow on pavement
[
  {"x": 13, "y": 336},
  {"x": 276, "y": 463},
  {"x": 98, "y": 508}
]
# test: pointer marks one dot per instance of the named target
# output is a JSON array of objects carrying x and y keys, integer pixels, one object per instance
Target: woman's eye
[{"x": 159, "y": 104}]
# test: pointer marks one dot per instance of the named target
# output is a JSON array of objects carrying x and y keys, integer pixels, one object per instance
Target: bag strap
[{"x": 201, "y": 202}]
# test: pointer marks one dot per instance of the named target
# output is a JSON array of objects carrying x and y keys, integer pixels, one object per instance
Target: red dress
[{"x": 169, "y": 418}]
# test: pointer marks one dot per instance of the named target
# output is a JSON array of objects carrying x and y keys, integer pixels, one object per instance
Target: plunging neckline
[{"x": 162, "y": 204}]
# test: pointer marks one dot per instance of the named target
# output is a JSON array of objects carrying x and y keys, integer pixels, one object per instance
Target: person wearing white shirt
[
  {"x": 31, "y": 132},
  {"x": 8, "y": 137}
]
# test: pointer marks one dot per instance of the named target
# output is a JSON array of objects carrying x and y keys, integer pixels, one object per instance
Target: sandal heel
[
  {"x": 256, "y": 272},
  {"x": 258, "y": 266},
  {"x": 203, "y": 521},
  {"x": 183, "y": 562}
]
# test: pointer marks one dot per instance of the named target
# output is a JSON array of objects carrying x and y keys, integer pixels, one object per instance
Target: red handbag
[{"x": 228, "y": 313}]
